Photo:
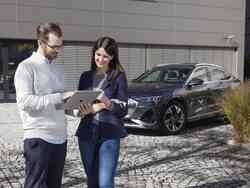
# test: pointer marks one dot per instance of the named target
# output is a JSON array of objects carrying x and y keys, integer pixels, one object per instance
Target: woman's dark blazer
[{"x": 106, "y": 123}]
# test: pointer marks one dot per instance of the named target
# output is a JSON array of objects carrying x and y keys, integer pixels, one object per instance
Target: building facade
[{"x": 149, "y": 32}]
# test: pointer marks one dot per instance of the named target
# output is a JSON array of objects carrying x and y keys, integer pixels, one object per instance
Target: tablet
[{"x": 83, "y": 96}]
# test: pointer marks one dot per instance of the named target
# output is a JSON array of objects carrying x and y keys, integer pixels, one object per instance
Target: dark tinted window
[
  {"x": 16, "y": 53},
  {"x": 150, "y": 76},
  {"x": 165, "y": 74},
  {"x": 176, "y": 74}
]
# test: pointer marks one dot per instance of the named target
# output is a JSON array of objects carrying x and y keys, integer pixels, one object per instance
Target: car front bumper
[{"x": 141, "y": 115}]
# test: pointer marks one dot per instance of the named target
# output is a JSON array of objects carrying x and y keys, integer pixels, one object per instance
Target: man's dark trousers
[{"x": 44, "y": 163}]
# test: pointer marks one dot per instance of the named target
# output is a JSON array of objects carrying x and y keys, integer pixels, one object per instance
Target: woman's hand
[
  {"x": 98, "y": 107},
  {"x": 86, "y": 109},
  {"x": 105, "y": 100}
]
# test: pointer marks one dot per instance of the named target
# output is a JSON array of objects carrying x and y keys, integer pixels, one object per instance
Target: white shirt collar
[{"x": 40, "y": 58}]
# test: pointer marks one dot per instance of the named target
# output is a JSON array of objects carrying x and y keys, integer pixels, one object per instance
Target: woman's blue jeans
[{"x": 100, "y": 161}]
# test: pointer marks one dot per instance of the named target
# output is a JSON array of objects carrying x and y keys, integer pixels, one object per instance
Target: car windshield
[{"x": 171, "y": 74}]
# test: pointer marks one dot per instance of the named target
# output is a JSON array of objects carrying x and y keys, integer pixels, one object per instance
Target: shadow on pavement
[
  {"x": 191, "y": 127},
  {"x": 199, "y": 156},
  {"x": 225, "y": 183}
]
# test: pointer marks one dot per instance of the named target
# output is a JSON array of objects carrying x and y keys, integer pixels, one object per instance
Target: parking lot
[{"x": 198, "y": 158}]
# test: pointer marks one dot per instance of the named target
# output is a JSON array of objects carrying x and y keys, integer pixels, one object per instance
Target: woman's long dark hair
[{"x": 111, "y": 47}]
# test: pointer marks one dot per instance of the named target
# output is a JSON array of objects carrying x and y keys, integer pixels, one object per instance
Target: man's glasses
[{"x": 53, "y": 47}]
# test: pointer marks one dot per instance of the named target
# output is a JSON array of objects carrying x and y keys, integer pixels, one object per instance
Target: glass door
[
  {"x": 4, "y": 85},
  {"x": 11, "y": 55}
]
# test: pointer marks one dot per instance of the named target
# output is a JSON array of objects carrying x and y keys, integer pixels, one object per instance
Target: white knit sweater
[{"x": 39, "y": 86}]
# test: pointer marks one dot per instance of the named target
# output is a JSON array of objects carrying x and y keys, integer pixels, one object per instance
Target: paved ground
[{"x": 198, "y": 158}]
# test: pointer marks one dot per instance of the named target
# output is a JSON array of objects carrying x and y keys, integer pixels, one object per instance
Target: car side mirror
[
  {"x": 227, "y": 77},
  {"x": 195, "y": 82}
]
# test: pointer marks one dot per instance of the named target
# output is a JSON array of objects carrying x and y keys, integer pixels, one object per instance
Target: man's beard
[{"x": 52, "y": 56}]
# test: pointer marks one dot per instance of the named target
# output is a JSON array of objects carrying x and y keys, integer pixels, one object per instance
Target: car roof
[
  {"x": 191, "y": 65},
  {"x": 209, "y": 64}
]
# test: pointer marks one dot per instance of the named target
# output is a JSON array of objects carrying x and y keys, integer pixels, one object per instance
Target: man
[{"x": 39, "y": 90}]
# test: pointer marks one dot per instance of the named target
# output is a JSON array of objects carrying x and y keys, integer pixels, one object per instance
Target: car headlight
[
  {"x": 132, "y": 105},
  {"x": 132, "y": 102}
]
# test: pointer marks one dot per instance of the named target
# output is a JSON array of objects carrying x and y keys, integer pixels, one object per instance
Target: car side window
[
  {"x": 217, "y": 74},
  {"x": 201, "y": 73},
  {"x": 152, "y": 77},
  {"x": 172, "y": 75}
]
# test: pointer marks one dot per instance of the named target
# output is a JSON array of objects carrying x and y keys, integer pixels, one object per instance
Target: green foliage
[{"x": 236, "y": 106}]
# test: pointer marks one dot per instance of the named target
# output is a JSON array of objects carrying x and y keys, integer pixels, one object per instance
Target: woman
[{"x": 101, "y": 127}]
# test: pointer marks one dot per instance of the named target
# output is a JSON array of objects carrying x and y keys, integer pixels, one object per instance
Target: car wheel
[{"x": 174, "y": 118}]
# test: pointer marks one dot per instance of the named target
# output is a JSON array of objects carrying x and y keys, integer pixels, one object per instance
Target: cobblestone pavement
[{"x": 198, "y": 158}]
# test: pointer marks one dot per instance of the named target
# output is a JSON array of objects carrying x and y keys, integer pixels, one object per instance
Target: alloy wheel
[{"x": 174, "y": 118}]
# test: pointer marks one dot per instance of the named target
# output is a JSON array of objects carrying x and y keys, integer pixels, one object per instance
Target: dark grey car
[{"x": 168, "y": 96}]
